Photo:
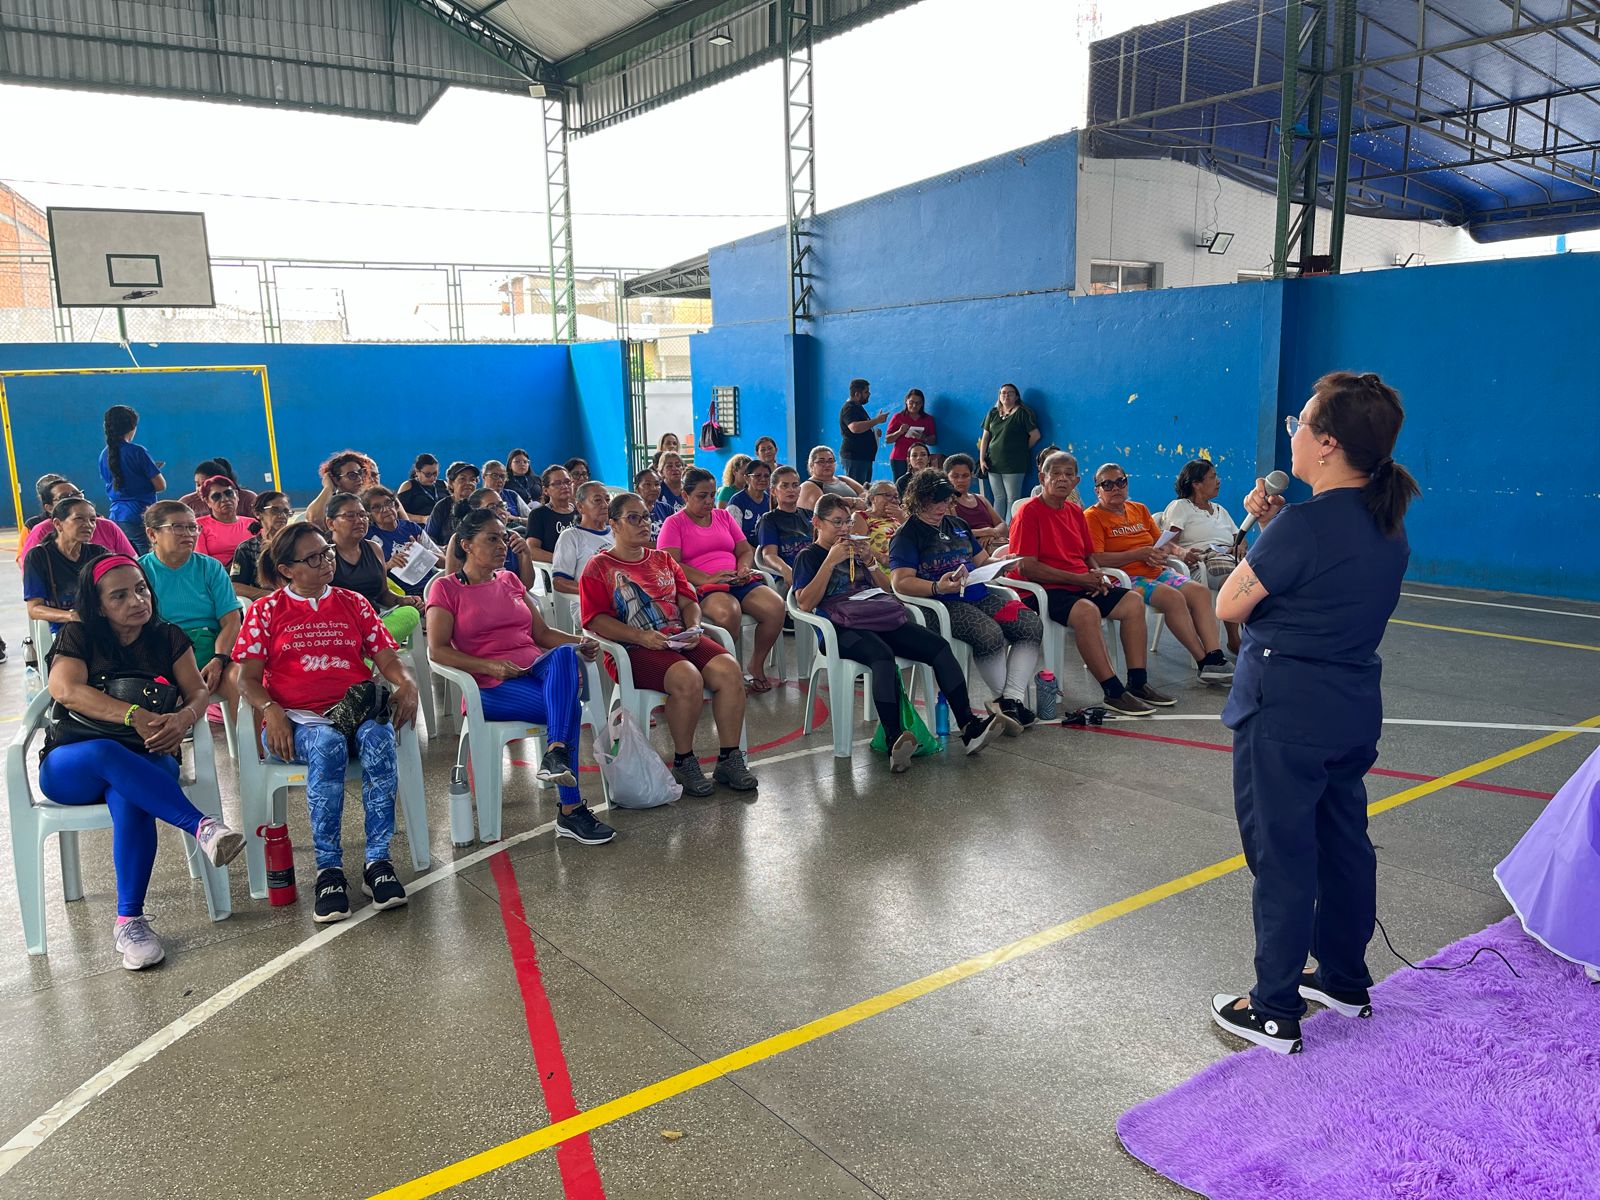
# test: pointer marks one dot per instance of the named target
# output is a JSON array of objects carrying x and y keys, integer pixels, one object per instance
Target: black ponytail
[
  {"x": 120, "y": 420},
  {"x": 1364, "y": 415}
]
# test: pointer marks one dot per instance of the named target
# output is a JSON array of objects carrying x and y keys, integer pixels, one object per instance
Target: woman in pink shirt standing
[
  {"x": 911, "y": 426},
  {"x": 708, "y": 544},
  {"x": 480, "y": 621}
]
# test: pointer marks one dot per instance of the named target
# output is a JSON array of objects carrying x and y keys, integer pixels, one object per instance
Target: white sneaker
[
  {"x": 901, "y": 752},
  {"x": 138, "y": 944},
  {"x": 218, "y": 843}
]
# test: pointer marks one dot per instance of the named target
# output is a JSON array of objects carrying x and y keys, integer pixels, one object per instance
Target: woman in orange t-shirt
[{"x": 1125, "y": 536}]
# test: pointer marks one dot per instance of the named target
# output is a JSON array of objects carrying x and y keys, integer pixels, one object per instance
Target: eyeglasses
[
  {"x": 277, "y": 510},
  {"x": 351, "y": 514},
  {"x": 1111, "y": 485},
  {"x": 380, "y": 506},
  {"x": 634, "y": 518},
  {"x": 72, "y": 495},
  {"x": 1292, "y": 425},
  {"x": 226, "y": 494},
  {"x": 837, "y": 523},
  {"x": 353, "y": 473},
  {"x": 191, "y": 528},
  {"x": 320, "y": 558}
]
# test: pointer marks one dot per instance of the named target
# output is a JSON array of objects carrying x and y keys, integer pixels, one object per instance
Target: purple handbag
[{"x": 875, "y": 614}]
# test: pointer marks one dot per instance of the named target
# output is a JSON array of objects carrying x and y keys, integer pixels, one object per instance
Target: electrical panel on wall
[{"x": 726, "y": 400}]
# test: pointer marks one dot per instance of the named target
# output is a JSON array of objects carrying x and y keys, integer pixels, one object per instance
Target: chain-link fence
[{"x": 295, "y": 300}]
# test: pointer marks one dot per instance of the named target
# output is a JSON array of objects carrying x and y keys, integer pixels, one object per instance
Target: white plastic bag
[{"x": 634, "y": 773}]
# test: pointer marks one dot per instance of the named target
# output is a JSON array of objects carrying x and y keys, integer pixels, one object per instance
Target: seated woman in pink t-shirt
[
  {"x": 224, "y": 530},
  {"x": 480, "y": 621},
  {"x": 708, "y": 544}
]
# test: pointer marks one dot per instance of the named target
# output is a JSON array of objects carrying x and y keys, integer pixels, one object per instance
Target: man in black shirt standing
[{"x": 858, "y": 434}]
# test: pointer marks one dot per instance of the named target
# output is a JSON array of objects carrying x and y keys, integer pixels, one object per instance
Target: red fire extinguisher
[{"x": 280, "y": 864}]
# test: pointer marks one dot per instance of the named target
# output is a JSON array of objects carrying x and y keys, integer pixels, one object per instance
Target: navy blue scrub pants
[{"x": 1302, "y": 813}]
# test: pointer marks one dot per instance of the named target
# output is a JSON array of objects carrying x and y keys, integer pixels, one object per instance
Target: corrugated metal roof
[
  {"x": 376, "y": 58},
  {"x": 1482, "y": 113},
  {"x": 393, "y": 58}
]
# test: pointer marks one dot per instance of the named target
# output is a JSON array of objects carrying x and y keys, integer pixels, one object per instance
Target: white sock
[
  {"x": 1020, "y": 666},
  {"x": 993, "y": 671}
]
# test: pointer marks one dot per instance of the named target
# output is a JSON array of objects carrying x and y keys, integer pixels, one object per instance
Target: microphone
[{"x": 1275, "y": 484}]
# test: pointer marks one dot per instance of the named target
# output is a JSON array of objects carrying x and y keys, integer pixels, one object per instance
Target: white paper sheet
[{"x": 989, "y": 570}]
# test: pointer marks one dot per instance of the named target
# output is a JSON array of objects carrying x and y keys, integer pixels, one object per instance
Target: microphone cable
[{"x": 1452, "y": 967}]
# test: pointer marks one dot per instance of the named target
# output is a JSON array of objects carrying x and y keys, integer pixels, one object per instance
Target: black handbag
[
  {"x": 363, "y": 702},
  {"x": 125, "y": 687}
]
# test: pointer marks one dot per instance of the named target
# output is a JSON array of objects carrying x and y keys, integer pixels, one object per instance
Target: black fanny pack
[{"x": 126, "y": 687}]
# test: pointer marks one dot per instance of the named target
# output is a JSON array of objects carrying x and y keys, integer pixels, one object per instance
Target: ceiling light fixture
[{"x": 721, "y": 38}]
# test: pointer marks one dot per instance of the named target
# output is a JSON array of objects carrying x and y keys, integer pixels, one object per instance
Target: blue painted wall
[
  {"x": 1502, "y": 426},
  {"x": 601, "y": 405},
  {"x": 393, "y": 402},
  {"x": 958, "y": 284}
]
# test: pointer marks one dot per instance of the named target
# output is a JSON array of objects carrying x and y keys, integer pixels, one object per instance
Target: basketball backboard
[{"x": 130, "y": 258}]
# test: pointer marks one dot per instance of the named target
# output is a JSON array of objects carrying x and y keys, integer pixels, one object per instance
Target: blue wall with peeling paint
[
  {"x": 961, "y": 283},
  {"x": 1502, "y": 425}
]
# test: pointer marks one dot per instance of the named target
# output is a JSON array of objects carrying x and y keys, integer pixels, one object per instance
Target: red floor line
[
  {"x": 580, "y": 1177},
  {"x": 1411, "y": 775}
]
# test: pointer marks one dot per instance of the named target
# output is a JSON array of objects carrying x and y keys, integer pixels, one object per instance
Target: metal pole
[
  {"x": 558, "y": 221},
  {"x": 1344, "y": 40},
  {"x": 1286, "y": 118},
  {"x": 799, "y": 152}
]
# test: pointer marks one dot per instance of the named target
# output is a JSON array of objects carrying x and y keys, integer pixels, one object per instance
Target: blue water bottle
[{"x": 941, "y": 718}]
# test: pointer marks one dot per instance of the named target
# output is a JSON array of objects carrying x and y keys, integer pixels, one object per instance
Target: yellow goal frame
[{"x": 5, "y": 408}]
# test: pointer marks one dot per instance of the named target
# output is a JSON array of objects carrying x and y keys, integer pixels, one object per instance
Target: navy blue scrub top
[{"x": 1309, "y": 648}]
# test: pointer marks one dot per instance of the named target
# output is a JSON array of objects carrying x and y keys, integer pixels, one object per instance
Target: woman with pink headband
[{"x": 128, "y": 758}]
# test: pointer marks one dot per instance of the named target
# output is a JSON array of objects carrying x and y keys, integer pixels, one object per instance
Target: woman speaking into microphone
[{"x": 1314, "y": 596}]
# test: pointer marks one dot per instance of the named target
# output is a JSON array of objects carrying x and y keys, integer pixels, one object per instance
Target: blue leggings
[
  {"x": 137, "y": 788},
  {"x": 547, "y": 695},
  {"x": 326, "y": 755}
]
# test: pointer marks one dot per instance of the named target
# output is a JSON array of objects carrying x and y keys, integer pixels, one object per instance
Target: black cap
[{"x": 942, "y": 491}]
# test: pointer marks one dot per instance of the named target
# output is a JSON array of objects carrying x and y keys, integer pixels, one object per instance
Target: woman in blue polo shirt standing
[{"x": 133, "y": 479}]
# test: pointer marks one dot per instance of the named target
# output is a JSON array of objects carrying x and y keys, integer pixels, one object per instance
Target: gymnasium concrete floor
[{"x": 405, "y": 1043}]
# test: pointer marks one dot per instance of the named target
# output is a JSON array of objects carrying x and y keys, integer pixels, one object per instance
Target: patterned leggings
[
  {"x": 547, "y": 695},
  {"x": 324, "y": 751},
  {"x": 989, "y": 626}
]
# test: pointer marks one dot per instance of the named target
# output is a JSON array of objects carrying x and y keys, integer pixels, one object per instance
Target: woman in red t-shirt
[
  {"x": 299, "y": 652},
  {"x": 479, "y": 620},
  {"x": 641, "y": 598}
]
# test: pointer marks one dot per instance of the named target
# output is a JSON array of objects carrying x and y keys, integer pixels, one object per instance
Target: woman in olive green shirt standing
[{"x": 1005, "y": 449}]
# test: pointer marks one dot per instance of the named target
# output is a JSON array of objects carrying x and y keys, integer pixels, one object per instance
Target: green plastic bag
[{"x": 927, "y": 743}]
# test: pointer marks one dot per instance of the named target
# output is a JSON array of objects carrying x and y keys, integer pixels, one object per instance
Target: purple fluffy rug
[{"x": 1465, "y": 1085}]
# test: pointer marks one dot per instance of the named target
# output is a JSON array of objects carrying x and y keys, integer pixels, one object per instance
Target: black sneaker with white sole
[
  {"x": 1127, "y": 705},
  {"x": 381, "y": 883},
  {"x": 1278, "y": 1034},
  {"x": 1018, "y": 712},
  {"x": 1008, "y": 726},
  {"x": 333, "y": 897},
  {"x": 902, "y": 752},
  {"x": 1216, "y": 672},
  {"x": 1346, "y": 1004},
  {"x": 555, "y": 768},
  {"x": 979, "y": 732},
  {"x": 582, "y": 826}
]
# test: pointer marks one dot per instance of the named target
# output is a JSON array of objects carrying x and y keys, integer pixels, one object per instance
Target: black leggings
[{"x": 878, "y": 651}]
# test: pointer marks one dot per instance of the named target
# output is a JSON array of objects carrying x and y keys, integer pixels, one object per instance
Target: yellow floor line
[
  {"x": 1506, "y": 637},
  {"x": 542, "y": 1139}
]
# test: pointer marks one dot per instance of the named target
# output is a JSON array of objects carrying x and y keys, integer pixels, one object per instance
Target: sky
[{"x": 914, "y": 94}]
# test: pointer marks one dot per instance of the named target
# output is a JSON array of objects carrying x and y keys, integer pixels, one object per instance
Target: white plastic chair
[
  {"x": 43, "y": 639},
  {"x": 414, "y": 652},
  {"x": 641, "y": 702},
  {"x": 34, "y": 817},
  {"x": 264, "y": 787},
  {"x": 798, "y": 652},
  {"x": 483, "y": 742},
  {"x": 841, "y": 674},
  {"x": 1054, "y": 654}
]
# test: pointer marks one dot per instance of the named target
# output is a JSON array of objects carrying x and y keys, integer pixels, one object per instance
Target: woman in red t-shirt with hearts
[{"x": 301, "y": 649}]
